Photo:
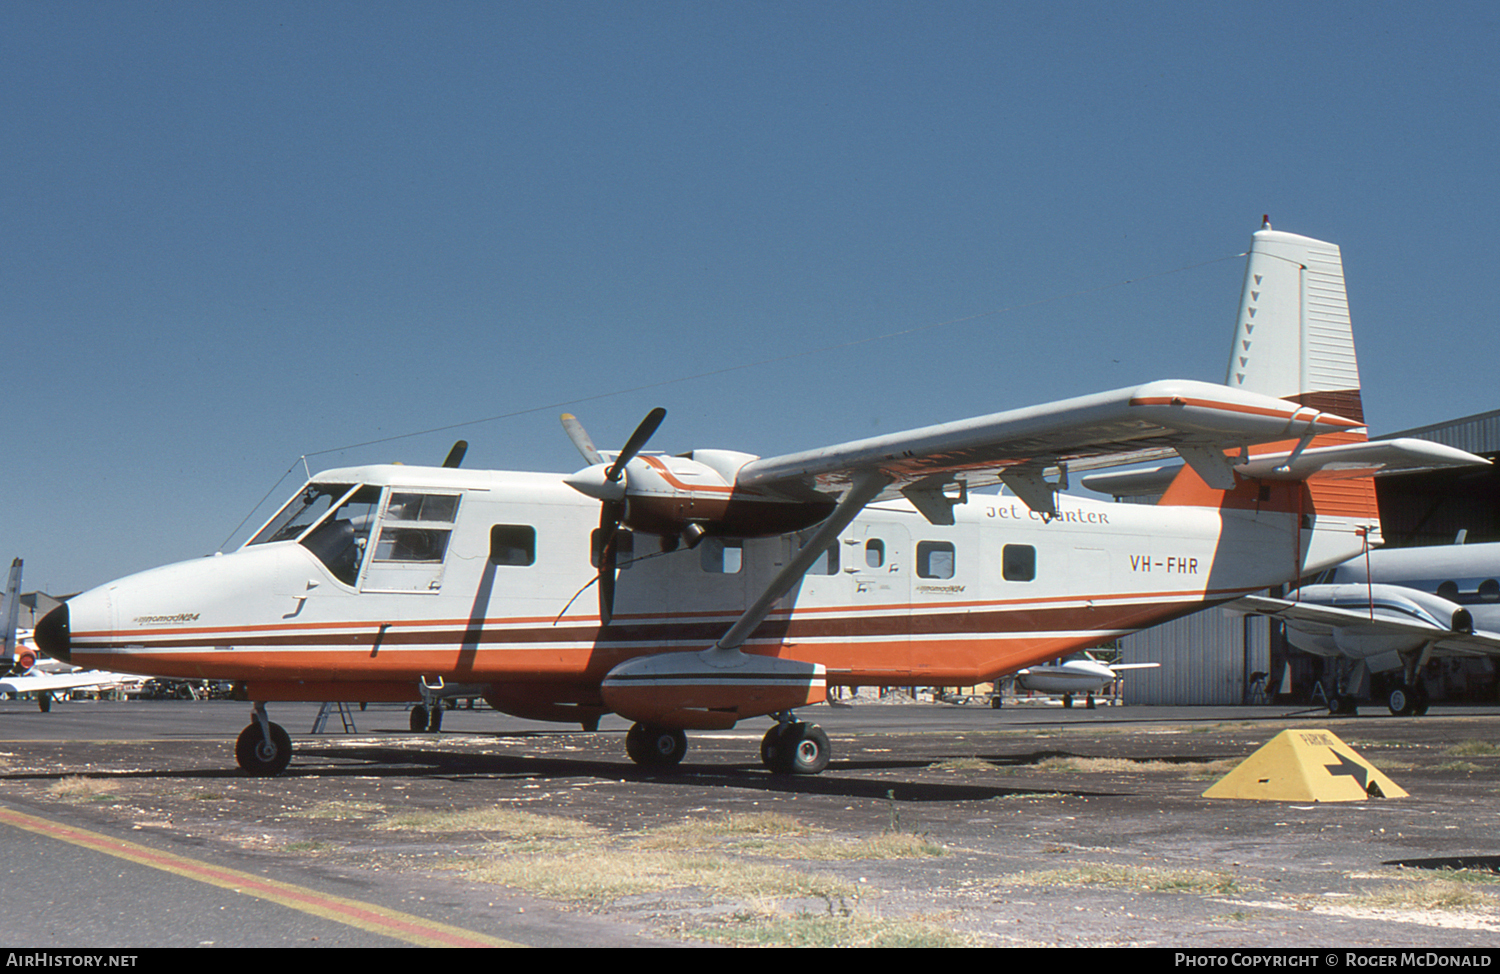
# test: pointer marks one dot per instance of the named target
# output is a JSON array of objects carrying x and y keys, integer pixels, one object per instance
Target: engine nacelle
[{"x": 696, "y": 495}]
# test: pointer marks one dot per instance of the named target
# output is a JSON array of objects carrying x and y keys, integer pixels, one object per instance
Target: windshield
[{"x": 311, "y": 503}]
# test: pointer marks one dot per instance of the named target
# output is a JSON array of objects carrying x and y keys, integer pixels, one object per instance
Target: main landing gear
[
  {"x": 263, "y": 748},
  {"x": 424, "y": 718},
  {"x": 1407, "y": 700},
  {"x": 790, "y": 747},
  {"x": 655, "y": 747},
  {"x": 795, "y": 747}
]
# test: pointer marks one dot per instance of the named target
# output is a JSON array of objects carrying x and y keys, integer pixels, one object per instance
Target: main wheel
[
  {"x": 655, "y": 747},
  {"x": 770, "y": 745},
  {"x": 261, "y": 757},
  {"x": 418, "y": 721},
  {"x": 1401, "y": 701},
  {"x": 795, "y": 749},
  {"x": 1420, "y": 699},
  {"x": 1341, "y": 705}
]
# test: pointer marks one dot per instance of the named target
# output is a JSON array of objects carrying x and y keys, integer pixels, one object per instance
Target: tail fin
[
  {"x": 10, "y": 614},
  {"x": 1293, "y": 339}
]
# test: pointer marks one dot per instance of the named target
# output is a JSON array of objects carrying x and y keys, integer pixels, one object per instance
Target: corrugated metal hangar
[{"x": 1217, "y": 658}]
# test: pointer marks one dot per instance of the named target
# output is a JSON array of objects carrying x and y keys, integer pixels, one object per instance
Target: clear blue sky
[{"x": 237, "y": 233}]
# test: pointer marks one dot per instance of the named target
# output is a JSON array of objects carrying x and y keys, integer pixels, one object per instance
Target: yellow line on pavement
[{"x": 365, "y": 916}]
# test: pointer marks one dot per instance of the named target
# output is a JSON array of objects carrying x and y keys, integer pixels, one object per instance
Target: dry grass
[
  {"x": 773, "y": 835},
  {"x": 509, "y": 822},
  {"x": 598, "y": 876},
  {"x": 756, "y": 929},
  {"x": 341, "y": 811},
  {"x": 1141, "y": 878},
  {"x": 1442, "y": 892},
  {"x": 1187, "y": 769},
  {"x": 1473, "y": 749},
  {"x": 79, "y": 789}
]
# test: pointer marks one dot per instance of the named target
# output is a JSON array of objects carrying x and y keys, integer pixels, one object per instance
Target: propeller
[
  {"x": 611, "y": 494},
  {"x": 456, "y": 455}
]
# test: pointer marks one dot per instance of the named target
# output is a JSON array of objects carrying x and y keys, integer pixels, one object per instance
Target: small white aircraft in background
[
  {"x": 1068, "y": 677},
  {"x": 731, "y": 586},
  {"x": 24, "y": 669},
  {"x": 1390, "y": 611}
]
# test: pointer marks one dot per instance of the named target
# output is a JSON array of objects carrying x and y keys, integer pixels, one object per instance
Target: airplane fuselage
[{"x": 481, "y": 577}]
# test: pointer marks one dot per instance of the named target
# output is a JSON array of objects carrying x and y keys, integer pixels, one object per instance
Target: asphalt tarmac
[{"x": 127, "y": 825}]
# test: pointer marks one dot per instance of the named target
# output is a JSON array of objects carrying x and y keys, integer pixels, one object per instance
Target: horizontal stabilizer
[{"x": 1344, "y": 459}]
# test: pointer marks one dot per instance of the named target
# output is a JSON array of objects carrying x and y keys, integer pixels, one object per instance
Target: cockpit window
[
  {"x": 311, "y": 503},
  {"x": 339, "y": 540}
]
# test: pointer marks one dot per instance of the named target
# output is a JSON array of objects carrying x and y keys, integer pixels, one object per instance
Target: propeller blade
[
  {"x": 456, "y": 455},
  {"x": 610, "y": 513},
  {"x": 637, "y": 440},
  {"x": 580, "y": 438}
]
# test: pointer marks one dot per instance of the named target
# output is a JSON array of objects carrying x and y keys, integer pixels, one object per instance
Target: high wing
[
  {"x": 1197, "y": 420},
  {"x": 1311, "y": 617}
]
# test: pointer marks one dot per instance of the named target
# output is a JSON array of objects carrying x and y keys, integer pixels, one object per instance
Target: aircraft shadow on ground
[
  {"x": 1471, "y": 863},
  {"x": 837, "y": 780}
]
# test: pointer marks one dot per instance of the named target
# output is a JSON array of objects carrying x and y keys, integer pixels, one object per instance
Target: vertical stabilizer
[
  {"x": 1292, "y": 339},
  {"x": 11, "y": 612}
]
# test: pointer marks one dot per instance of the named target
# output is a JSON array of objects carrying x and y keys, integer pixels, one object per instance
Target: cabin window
[
  {"x": 513, "y": 544},
  {"x": 721, "y": 555},
  {"x": 827, "y": 563},
  {"x": 935, "y": 559},
  {"x": 624, "y": 547},
  {"x": 409, "y": 533},
  {"x": 1449, "y": 591},
  {"x": 1018, "y": 562},
  {"x": 874, "y": 553},
  {"x": 1489, "y": 590},
  {"x": 415, "y": 529}
]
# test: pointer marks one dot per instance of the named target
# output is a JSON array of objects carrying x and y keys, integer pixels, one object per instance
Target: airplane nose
[{"x": 53, "y": 635}]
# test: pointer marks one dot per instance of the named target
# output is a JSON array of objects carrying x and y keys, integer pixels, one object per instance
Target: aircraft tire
[
  {"x": 1420, "y": 700},
  {"x": 418, "y": 721},
  {"x": 1340, "y": 705},
  {"x": 798, "y": 748},
  {"x": 435, "y": 720},
  {"x": 770, "y": 745},
  {"x": 1401, "y": 701},
  {"x": 655, "y": 747},
  {"x": 260, "y": 757},
  {"x": 44, "y": 702}
]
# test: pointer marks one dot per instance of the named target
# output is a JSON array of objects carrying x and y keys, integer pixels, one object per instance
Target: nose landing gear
[{"x": 263, "y": 748}]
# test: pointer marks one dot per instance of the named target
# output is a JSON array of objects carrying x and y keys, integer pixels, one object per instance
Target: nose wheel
[{"x": 263, "y": 748}]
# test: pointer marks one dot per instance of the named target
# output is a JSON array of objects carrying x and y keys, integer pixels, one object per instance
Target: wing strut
[{"x": 867, "y": 486}]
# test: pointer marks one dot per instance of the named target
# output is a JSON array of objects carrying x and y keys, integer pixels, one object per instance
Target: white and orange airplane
[{"x": 732, "y": 587}]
